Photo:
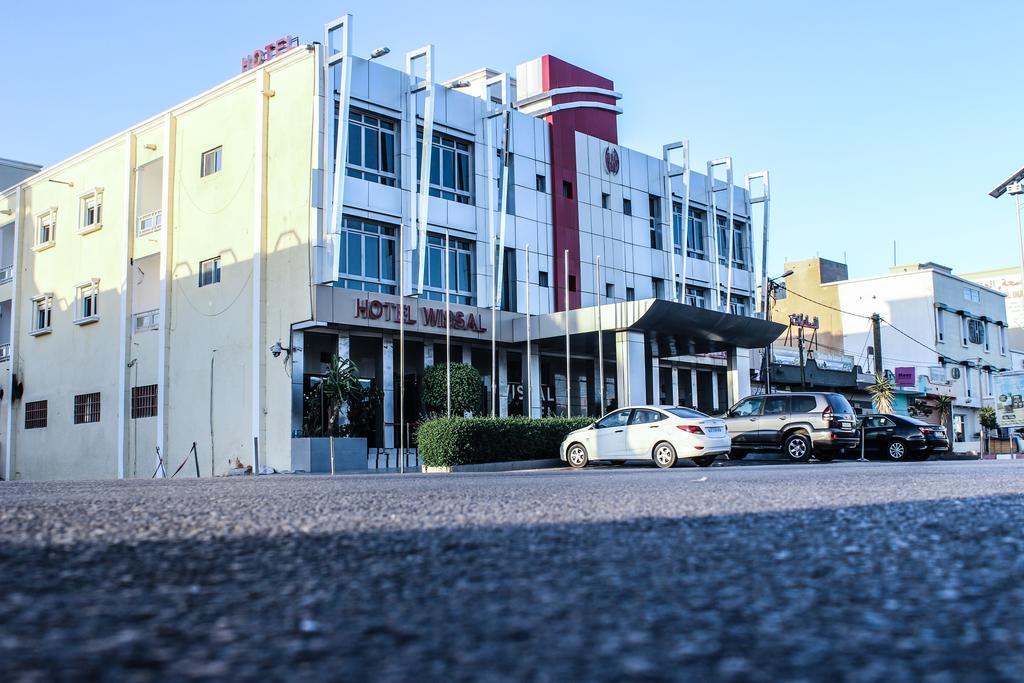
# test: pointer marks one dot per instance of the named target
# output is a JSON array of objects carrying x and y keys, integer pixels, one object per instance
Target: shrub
[
  {"x": 445, "y": 442},
  {"x": 467, "y": 389}
]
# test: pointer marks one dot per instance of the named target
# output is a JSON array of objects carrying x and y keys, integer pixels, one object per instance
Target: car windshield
[
  {"x": 839, "y": 404},
  {"x": 685, "y": 413}
]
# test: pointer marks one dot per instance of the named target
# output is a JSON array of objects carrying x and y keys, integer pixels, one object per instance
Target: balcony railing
[
  {"x": 5, "y": 353},
  {"x": 6, "y": 274},
  {"x": 150, "y": 222}
]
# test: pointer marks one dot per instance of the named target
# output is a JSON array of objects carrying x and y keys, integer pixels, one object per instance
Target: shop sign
[
  {"x": 268, "y": 52},
  {"x": 375, "y": 309},
  {"x": 906, "y": 377},
  {"x": 785, "y": 356},
  {"x": 834, "y": 361},
  {"x": 1009, "y": 399}
]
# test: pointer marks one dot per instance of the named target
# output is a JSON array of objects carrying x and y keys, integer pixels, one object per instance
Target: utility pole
[
  {"x": 876, "y": 332},
  {"x": 803, "y": 362}
]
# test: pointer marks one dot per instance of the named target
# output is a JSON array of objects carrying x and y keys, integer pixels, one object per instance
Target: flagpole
[
  {"x": 568, "y": 367},
  {"x": 600, "y": 335},
  {"x": 529, "y": 356},
  {"x": 447, "y": 326}
]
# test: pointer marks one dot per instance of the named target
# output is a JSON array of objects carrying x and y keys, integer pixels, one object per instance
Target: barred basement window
[
  {"x": 211, "y": 162},
  {"x": 35, "y": 414},
  {"x": 87, "y": 408},
  {"x": 144, "y": 401}
]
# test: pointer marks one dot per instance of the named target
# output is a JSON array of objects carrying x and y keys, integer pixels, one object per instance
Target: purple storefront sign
[{"x": 906, "y": 377}]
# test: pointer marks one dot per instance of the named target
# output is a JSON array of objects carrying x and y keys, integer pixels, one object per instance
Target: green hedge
[{"x": 444, "y": 442}]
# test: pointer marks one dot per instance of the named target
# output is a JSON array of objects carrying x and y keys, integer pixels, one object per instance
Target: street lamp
[
  {"x": 380, "y": 52},
  {"x": 774, "y": 283},
  {"x": 1014, "y": 186}
]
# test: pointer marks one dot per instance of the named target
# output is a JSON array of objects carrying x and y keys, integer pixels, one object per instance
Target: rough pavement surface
[{"x": 859, "y": 572}]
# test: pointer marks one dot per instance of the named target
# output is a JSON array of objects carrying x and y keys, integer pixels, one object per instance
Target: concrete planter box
[
  {"x": 313, "y": 455},
  {"x": 510, "y": 466}
]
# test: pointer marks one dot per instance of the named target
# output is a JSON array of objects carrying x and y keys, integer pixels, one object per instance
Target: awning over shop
[{"x": 677, "y": 329}]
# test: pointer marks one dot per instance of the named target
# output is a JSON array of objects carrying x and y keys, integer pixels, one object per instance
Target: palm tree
[
  {"x": 882, "y": 393},
  {"x": 338, "y": 386},
  {"x": 944, "y": 404}
]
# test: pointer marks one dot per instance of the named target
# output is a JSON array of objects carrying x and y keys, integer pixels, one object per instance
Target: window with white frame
[
  {"x": 654, "y": 213},
  {"x": 367, "y": 258},
  {"x": 147, "y": 320},
  {"x": 42, "y": 307},
  {"x": 976, "y": 331},
  {"x": 460, "y": 270},
  {"x": 739, "y": 245},
  {"x": 972, "y": 294},
  {"x": 86, "y": 302},
  {"x": 209, "y": 271},
  {"x": 371, "y": 148},
  {"x": 91, "y": 212},
  {"x": 150, "y": 222},
  {"x": 46, "y": 229},
  {"x": 451, "y": 167},
  {"x": 1002, "y": 340},
  {"x": 696, "y": 296},
  {"x": 211, "y": 161},
  {"x": 738, "y": 305},
  {"x": 984, "y": 335},
  {"x": 695, "y": 232},
  {"x": 963, "y": 330},
  {"x": 940, "y": 325}
]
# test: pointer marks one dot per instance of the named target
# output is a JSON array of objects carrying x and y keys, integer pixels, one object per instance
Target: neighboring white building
[
  {"x": 13, "y": 172},
  {"x": 1007, "y": 281},
  {"x": 948, "y": 335}
]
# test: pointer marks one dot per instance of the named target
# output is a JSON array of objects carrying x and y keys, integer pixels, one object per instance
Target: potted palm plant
[
  {"x": 882, "y": 392},
  {"x": 328, "y": 442}
]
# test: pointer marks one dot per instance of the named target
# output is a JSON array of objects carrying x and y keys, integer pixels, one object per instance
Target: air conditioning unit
[{"x": 954, "y": 373}]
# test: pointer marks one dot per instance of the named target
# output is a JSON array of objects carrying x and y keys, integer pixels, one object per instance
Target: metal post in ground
[{"x": 862, "y": 458}]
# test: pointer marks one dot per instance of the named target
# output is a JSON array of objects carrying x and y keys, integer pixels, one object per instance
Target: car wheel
[
  {"x": 897, "y": 451},
  {"x": 797, "y": 448},
  {"x": 664, "y": 455},
  {"x": 737, "y": 455},
  {"x": 705, "y": 460},
  {"x": 577, "y": 456}
]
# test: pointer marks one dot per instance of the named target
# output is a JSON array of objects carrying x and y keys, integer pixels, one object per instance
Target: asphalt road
[{"x": 850, "y": 571}]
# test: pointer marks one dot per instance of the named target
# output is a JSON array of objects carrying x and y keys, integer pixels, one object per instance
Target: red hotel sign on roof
[{"x": 269, "y": 51}]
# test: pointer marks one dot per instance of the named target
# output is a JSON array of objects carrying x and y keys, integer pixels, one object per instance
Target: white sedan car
[{"x": 659, "y": 433}]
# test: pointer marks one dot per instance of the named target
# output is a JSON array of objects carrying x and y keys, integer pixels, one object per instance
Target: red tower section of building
[{"x": 565, "y": 122}]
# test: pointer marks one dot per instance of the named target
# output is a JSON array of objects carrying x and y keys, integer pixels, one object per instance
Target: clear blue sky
[{"x": 877, "y": 120}]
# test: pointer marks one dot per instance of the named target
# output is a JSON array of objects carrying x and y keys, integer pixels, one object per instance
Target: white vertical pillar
[
  {"x": 502, "y": 391},
  {"x": 388, "y": 370},
  {"x": 127, "y": 282},
  {"x": 533, "y": 367},
  {"x": 675, "y": 385},
  {"x": 738, "y": 379},
  {"x": 693, "y": 386},
  {"x": 631, "y": 376},
  {"x": 166, "y": 247},
  {"x": 655, "y": 380},
  {"x": 15, "y": 298},
  {"x": 428, "y": 353},
  {"x": 259, "y": 227},
  {"x": 714, "y": 390}
]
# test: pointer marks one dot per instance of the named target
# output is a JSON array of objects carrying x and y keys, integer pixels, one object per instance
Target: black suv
[{"x": 799, "y": 424}]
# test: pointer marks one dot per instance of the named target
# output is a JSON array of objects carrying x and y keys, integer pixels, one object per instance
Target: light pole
[{"x": 773, "y": 284}]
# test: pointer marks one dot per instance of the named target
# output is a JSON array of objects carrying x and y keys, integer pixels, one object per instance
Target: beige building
[{"x": 188, "y": 280}]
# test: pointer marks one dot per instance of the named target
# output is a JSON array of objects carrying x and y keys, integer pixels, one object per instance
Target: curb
[
  {"x": 1002, "y": 456},
  {"x": 510, "y": 466}
]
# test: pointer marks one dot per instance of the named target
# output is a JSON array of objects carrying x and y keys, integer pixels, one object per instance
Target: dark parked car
[
  {"x": 798, "y": 424},
  {"x": 900, "y": 438}
]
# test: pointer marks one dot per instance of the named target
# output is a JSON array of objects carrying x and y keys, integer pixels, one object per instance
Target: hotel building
[{"x": 187, "y": 280}]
